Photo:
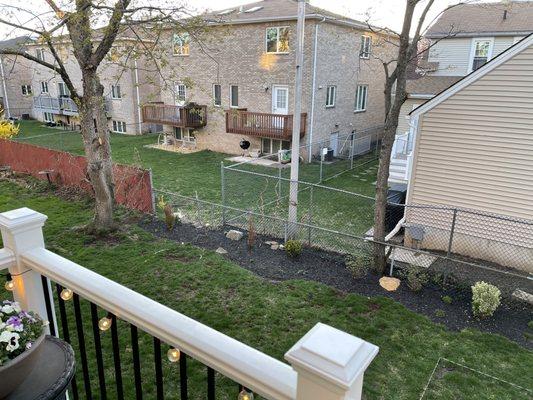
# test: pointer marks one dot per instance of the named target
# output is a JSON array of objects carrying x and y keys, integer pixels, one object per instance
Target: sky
[{"x": 386, "y": 13}]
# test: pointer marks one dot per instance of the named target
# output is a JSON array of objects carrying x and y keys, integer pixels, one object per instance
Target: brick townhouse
[{"x": 236, "y": 80}]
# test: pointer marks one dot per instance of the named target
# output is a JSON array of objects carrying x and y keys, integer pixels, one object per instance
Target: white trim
[
  {"x": 231, "y": 97},
  {"x": 138, "y": 95},
  {"x": 214, "y": 95},
  {"x": 421, "y": 96},
  {"x": 113, "y": 90},
  {"x": 365, "y": 55},
  {"x": 275, "y": 98},
  {"x": 177, "y": 99},
  {"x": 474, "y": 76},
  {"x": 334, "y": 88},
  {"x": 115, "y": 124},
  {"x": 44, "y": 85},
  {"x": 473, "y": 50},
  {"x": 313, "y": 94},
  {"x": 357, "y": 109},
  {"x": 277, "y": 41}
]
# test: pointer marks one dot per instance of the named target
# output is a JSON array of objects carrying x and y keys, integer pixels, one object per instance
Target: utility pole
[{"x": 296, "y": 121}]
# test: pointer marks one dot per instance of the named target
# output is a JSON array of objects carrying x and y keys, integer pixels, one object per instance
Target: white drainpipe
[
  {"x": 312, "y": 122},
  {"x": 8, "y": 112},
  {"x": 139, "y": 120}
]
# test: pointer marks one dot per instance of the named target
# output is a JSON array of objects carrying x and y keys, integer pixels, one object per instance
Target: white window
[
  {"x": 271, "y": 146},
  {"x": 184, "y": 134},
  {"x": 40, "y": 54},
  {"x": 181, "y": 93},
  {"x": 180, "y": 44},
  {"x": 481, "y": 53},
  {"x": 26, "y": 90},
  {"x": 366, "y": 46},
  {"x": 234, "y": 96},
  {"x": 277, "y": 40},
  {"x": 119, "y": 126},
  {"x": 63, "y": 89},
  {"x": 361, "y": 97},
  {"x": 115, "y": 92},
  {"x": 217, "y": 95},
  {"x": 331, "y": 94},
  {"x": 48, "y": 117},
  {"x": 44, "y": 87}
]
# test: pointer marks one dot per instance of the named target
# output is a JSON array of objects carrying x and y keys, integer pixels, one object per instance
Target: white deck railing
[{"x": 327, "y": 364}]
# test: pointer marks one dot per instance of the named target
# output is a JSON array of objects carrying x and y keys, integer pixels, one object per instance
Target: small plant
[
  {"x": 530, "y": 325},
  {"x": 7, "y": 129},
  {"x": 447, "y": 299},
  {"x": 417, "y": 278},
  {"x": 170, "y": 217},
  {"x": 440, "y": 313},
  {"x": 485, "y": 299},
  {"x": 358, "y": 263},
  {"x": 293, "y": 248}
]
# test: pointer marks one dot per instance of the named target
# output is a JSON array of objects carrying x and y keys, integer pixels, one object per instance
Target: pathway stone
[
  {"x": 220, "y": 250},
  {"x": 524, "y": 296},
  {"x": 389, "y": 284},
  {"x": 234, "y": 235}
]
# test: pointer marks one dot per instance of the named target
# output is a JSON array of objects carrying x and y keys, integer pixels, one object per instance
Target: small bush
[
  {"x": 440, "y": 313},
  {"x": 530, "y": 324},
  {"x": 358, "y": 264},
  {"x": 170, "y": 217},
  {"x": 293, "y": 248},
  {"x": 417, "y": 278},
  {"x": 447, "y": 299},
  {"x": 485, "y": 299}
]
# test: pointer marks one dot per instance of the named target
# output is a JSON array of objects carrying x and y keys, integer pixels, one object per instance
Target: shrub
[
  {"x": 417, "y": 278},
  {"x": 170, "y": 217},
  {"x": 8, "y": 129},
  {"x": 530, "y": 324},
  {"x": 447, "y": 299},
  {"x": 440, "y": 313},
  {"x": 485, "y": 299},
  {"x": 358, "y": 264},
  {"x": 293, "y": 248}
]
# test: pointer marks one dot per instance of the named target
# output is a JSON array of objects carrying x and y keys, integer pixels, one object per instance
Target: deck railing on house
[
  {"x": 327, "y": 364},
  {"x": 60, "y": 105},
  {"x": 185, "y": 117},
  {"x": 274, "y": 126}
]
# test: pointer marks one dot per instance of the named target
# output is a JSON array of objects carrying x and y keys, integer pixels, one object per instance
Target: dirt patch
[{"x": 510, "y": 320}]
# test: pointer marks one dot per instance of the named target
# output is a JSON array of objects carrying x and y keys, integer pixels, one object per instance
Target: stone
[
  {"x": 271, "y": 242},
  {"x": 389, "y": 284},
  {"x": 524, "y": 296},
  {"x": 220, "y": 250},
  {"x": 274, "y": 246},
  {"x": 234, "y": 235}
]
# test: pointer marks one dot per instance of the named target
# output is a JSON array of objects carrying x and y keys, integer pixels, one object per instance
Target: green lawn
[
  {"x": 268, "y": 316},
  {"x": 199, "y": 173}
]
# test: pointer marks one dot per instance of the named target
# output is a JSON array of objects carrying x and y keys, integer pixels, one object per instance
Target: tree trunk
[{"x": 95, "y": 135}]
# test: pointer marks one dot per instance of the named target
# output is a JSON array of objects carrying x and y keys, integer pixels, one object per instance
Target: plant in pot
[{"x": 21, "y": 336}]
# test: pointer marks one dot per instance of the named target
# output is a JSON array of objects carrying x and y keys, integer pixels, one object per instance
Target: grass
[
  {"x": 199, "y": 173},
  {"x": 268, "y": 316}
]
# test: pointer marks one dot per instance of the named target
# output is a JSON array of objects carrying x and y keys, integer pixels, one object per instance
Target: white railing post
[
  {"x": 22, "y": 231},
  {"x": 330, "y": 364}
]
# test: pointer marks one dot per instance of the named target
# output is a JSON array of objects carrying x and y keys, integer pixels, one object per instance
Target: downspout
[
  {"x": 8, "y": 112},
  {"x": 137, "y": 93},
  {"x": 312, "y": 122}
]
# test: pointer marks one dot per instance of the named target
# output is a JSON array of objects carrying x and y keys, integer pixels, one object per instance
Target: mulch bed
[{"x": 510, "y": 320}]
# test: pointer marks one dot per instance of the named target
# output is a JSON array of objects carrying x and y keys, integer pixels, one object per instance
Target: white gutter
[
  {"x": 139, "y": 121},
  {"x": 313, "y": 89},
  {"x": 8, "y": 112}
]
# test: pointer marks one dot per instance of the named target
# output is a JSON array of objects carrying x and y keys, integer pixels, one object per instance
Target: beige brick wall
[
  {"x": 235, "y": 55},
  {"x": 17, "y": 72}
]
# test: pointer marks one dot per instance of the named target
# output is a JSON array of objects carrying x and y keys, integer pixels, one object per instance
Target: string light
[
  {"x": 105, "y": 323},
  {"x": 9, "y": 285},
  {"x": 66, "y": 294},
  {"x": 245, "y": 395},
  {"x": 173, "y": 355}
]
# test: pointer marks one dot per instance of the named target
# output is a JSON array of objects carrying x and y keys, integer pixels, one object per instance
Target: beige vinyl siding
[
  {"x": 403, "y": 121},
  {"x": 475, "y": 149}
]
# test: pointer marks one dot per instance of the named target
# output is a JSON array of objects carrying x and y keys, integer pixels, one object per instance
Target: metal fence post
[
  {"x": 352, "y": 150},
  {"x": 279, "y": 184},
  {"x": 452, "y": 231},
  {"x": 286, "y": 234},
  {"x": 223, "y": 193},
  {"x": 321, "y": 163},
  {"x": 197, "y": 207},
  {"x": 310, "y": 222}
]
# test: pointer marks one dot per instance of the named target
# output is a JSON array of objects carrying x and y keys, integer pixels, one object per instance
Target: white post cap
[
  {"x": 334, "y": 355},
  {"x": 21, "y": 219}
]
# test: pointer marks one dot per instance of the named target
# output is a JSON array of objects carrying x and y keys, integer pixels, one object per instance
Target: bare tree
[
  {"x": 396, "y": 71},
  {"x": 93, "y": 28}
]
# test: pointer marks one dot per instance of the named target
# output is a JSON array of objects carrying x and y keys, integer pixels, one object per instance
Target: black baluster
[
  {"x": 136, "y": 362},
  {"x": 66, "y": 334},
  {"x": 183, "y": 376},
  {"x": 158, "y": 368},
  {"x": 116, "y": 357},
  {"x": 48, "y": 305},
  {"x": 210, "y": 383},
  {"x": 81, "y": 345},
  {"x": 98, "y": 350}
]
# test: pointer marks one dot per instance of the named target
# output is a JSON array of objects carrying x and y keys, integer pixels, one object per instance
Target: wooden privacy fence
[{"x": 133, "y": 186}]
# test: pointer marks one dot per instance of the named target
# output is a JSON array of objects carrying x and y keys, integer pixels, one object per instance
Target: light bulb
[
  {"x": 66, "y": 294},
  {"x": 104, "y": 324},
  {"x": 9, "y": 285},
  {"x": 245, "y": 395},
  {"x": 173, "y": 355}
]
